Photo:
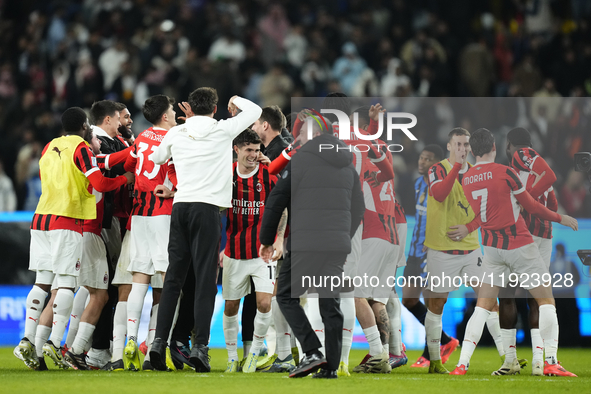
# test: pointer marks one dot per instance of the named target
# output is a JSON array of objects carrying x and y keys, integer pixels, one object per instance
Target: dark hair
[
  {"x": 247, "y": 137},
  {"x": 436, "y": 150},
  {"x": 519, "y": 137},
  {"x": 73, "y": 119},
  {"x": 101, "y": 109},
  {"x": 274, "y": 117},
  {"x": 336, "y": 100},
  {"x": 363, "y": 114},
  {"x": 458, "y": 131},
  {"x": 482, "y": 142},
  {"x": 120, "y": 106},
  {"x": 155, "y": 107},
  {"x": 203, "y": 100},
  {"x": 290, "y": 120}
]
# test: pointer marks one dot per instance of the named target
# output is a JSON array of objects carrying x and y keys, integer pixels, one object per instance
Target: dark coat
[{"x": 323, "y": 195}]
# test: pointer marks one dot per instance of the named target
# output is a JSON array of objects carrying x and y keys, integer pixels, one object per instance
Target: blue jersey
[{"x": 418, "y": 234}]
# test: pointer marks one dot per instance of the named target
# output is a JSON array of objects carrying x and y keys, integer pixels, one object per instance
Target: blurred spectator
[
  {"x": 393, "y": 79},
  {"x": 275, "y": 88},
  {"x": 573, "y": 194},
  {"x": 296, "y": 46},
  {"x": 274, "y": 27},
  {"x": 227, "y": 47},
  {"x": 110, "y": 62},
  {"x": 528, "y": 76},
  {"x": 545, "y": 103},
  {"x": 7, "y": 194},
  {"x": 315, "y": 74},
  {"x": 476, "y": 69},
  {"x": 27, "y": 173},
  {"x": 348, "y": 68}
]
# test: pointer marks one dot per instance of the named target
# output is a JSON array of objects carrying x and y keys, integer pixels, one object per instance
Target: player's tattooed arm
[{"x": 282, "y": 225}]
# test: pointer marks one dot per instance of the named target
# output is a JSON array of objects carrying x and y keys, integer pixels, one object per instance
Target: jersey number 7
[{"x": 481, "y": 194}]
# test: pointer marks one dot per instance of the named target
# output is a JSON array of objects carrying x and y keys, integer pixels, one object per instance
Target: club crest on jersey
[
  {"x": 106, "y": 278},
  {"x": 259, "y": 187},
  {"x": 78, "y": 265}
]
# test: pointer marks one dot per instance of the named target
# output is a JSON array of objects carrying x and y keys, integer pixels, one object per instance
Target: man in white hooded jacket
[{"x": 202, "y": 151}]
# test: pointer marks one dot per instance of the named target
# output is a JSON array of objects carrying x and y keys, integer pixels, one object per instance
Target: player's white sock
[
  {"x": 283, "y": 336},
  {"x": 231, "y": 336},
  {"x": 348, "y": 309},
  {"x": 151, "y": 330},
  {"x": 79, "y": 304},
  {"x": 433, "y": 326},
  {"x": 549, "y": 331},
  {"x": 494, "y": 328},
  {"x": 473, "y": 333},
  {"x": 394, "y": 309},
  {"x": 312, "y": 309},
  {"x": 261, "y": 325},
  {"x": 119, "y": 330},
  {"x": 62, "y": 306},
  {"x": 85, "y": 331},
  {"x": 35, "y": 304},
  {"x": 135, "y": 304},
  {"x": 509, "y": 344},
  {"x": 537, "y": 346},
  {"x": 41, "y": 337},
  {"x": 372, "y": 334}
]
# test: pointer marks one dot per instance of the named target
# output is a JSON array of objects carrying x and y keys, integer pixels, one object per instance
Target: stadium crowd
[{"x": 54, "y": 55}]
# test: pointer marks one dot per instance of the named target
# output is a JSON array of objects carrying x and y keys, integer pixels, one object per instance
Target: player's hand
[
  {"x": 538, "y": 178},
  {"x": 186, "y": 108},
  {"x": 458, "y": 233},
  {"x": 373, "y": 179},
  {"x": 130, "y": 177},
  {"x": 278, "y": 253},
  {"x": 232, "y": 108},
  {"x": 266, "y": 252},
  {"x": 221, "y": 259},
  {"x": 163, "y": 191},
  {"x": 263, "y": 159},
  {"x": 303, "y": 114},
  {"x": 569, "y": 221},
  {"x": 375, "y": 111}
]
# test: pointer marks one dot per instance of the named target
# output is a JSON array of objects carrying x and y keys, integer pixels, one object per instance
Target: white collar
[
  {"x": 100, "y": 132},
  {"x": 245, "y": 176},
  {"x": 482, "y": 162}
]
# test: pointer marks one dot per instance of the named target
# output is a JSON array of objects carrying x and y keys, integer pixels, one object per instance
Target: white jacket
[{"x": 202, "y": 153}]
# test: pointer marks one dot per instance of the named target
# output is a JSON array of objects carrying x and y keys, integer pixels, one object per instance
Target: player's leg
[
  {"x": 312, "y": 309},
  {"x": 263, "y": 276},
  {"x": 180, "y": 343},
  {"x": 44, "y": 331},
  {"x": 348, "y": 310},
  {"x": 80, "y": 302},
  {"x": 486, "y": 302},
  {"x": 76, "y": 357},
  {"x": 236, "y": 284},
  {"x": 545, "y": 248},
  {"x": 397, "y": 356},
  {"x": 249, "y": 310},
  {"x": 508, "y": 321},
  {"x": 156, "y": 293}
]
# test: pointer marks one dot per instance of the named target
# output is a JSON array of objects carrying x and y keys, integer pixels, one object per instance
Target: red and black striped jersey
[
  {"x": 400, "y": 215},
  {"x": 491, "y": 188},
  {"x": 86, "y": 162},
  {"x": 148, "y": 175},
  {"x": 249, "y": 193},
  {"x": 379, "y": 219},
  {"x": 527, "y": 162}
]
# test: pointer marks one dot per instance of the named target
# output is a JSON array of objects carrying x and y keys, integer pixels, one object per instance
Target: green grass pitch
[{"x": 16, "y": 378}]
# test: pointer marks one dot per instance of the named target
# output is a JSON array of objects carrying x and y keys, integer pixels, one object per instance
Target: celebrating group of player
[{"x": 94, "y": 230}]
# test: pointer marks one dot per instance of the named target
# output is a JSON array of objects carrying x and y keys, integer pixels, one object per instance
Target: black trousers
[
  {"x": 195, "y": 230},
  {"x": 289, "y": 303}
]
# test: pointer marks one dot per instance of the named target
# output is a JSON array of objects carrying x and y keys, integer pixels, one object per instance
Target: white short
[
  {"x": 237, "y": 273},
  {"x": 95, "y": 271},
  {"x": 545, "y": 247},
  {"x": 112, "y": 239},
  {"x": 350, "y": 267},
  {"x": 377, "y": 260},
  {"x": 58, "y": 251},
  {"x": 401, "y": 229},
  {"x": 525, "y": 261},
  {"x": 446, "y": 272},
  {"x": 149, "y": 244},
  {"x": 122, "y": 275}
]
